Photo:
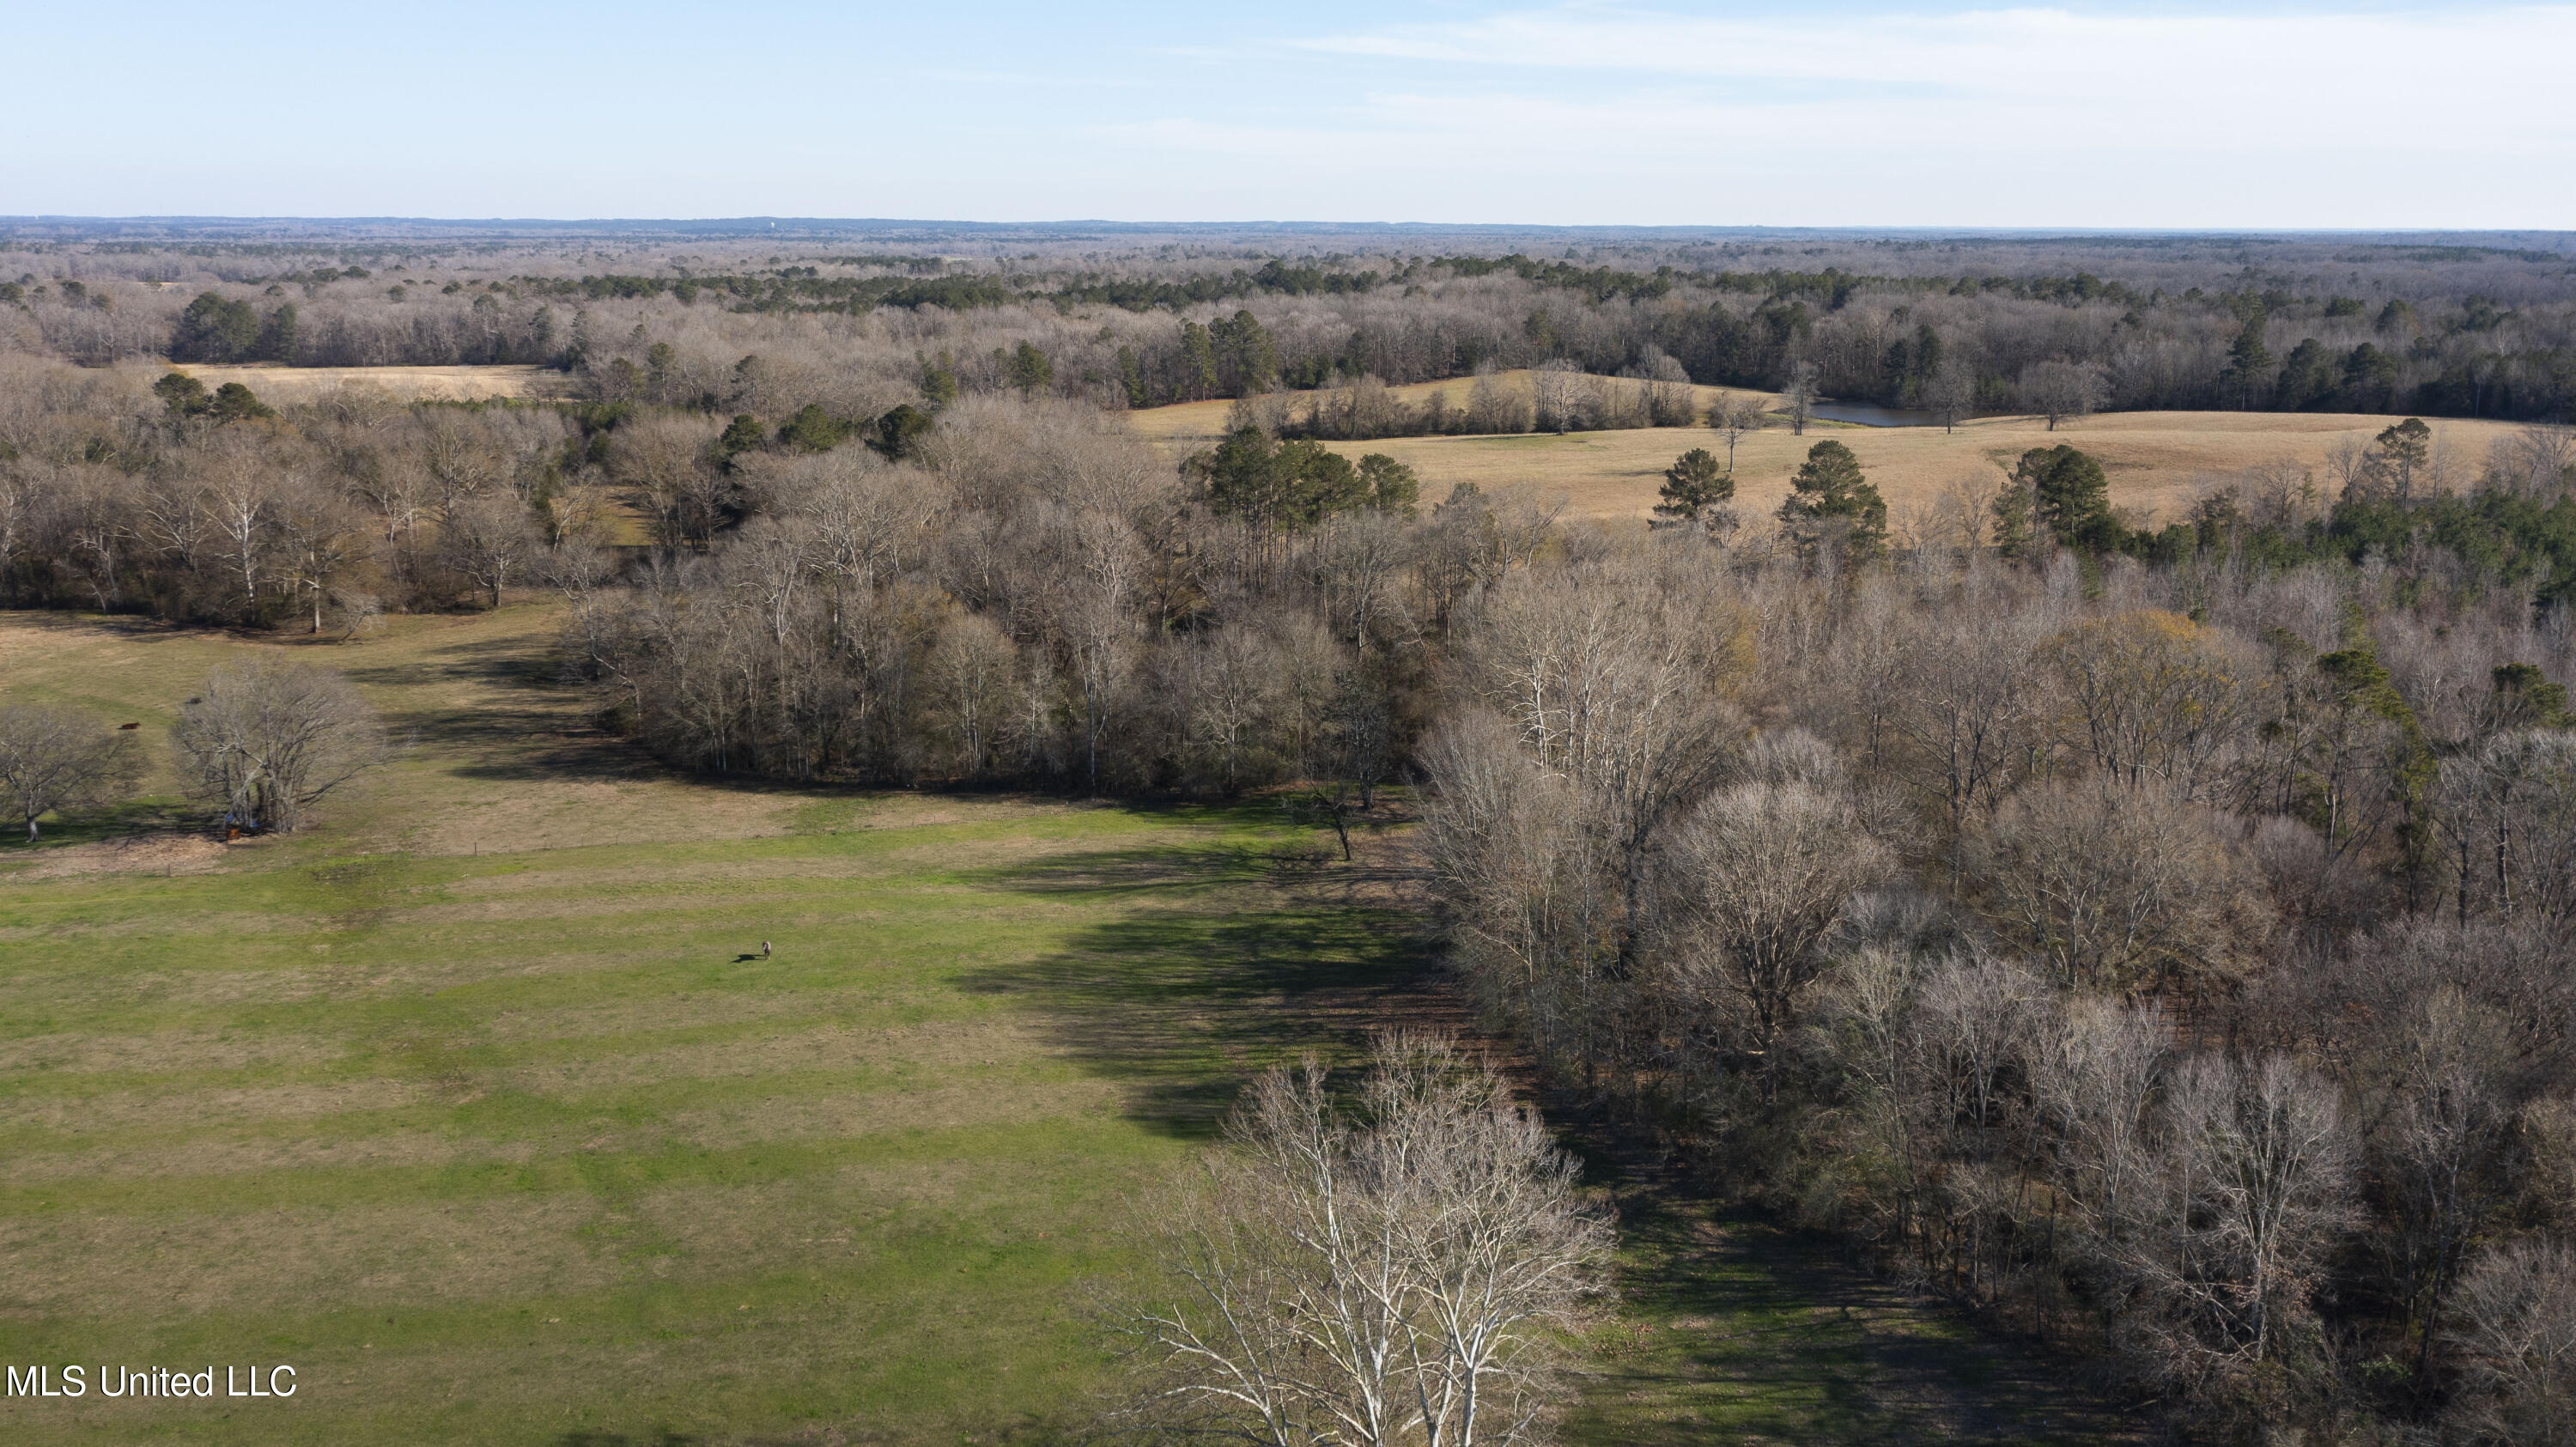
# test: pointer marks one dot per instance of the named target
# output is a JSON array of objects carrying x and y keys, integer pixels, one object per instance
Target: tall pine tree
[{"x": 1831, "y": 504}]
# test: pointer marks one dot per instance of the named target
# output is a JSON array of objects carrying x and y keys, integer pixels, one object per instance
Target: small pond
[{"x": 1870, "y": 415}]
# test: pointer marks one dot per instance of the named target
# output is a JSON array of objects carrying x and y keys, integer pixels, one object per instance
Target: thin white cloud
[
  {"x": 2033, "y": 117},
  {"x": 2487, "y": 69}
]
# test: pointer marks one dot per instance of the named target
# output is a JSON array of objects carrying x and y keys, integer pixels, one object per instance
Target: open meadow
[
  {"x": 479, "y": 1106},
  {"x": 283, "y": 385},
  {"x": 2158, "y": 463}
]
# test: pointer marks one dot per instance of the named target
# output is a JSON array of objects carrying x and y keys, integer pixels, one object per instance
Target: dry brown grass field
[
  {"x": 276, "y": 384},
  {"x": 2158, "y": 462}
]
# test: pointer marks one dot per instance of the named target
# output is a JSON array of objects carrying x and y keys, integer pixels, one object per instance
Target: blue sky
[{"x": 2311, "y": 114}]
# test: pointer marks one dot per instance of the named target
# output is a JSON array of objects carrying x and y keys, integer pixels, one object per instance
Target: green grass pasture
[{"x": 506, "y": 1144}]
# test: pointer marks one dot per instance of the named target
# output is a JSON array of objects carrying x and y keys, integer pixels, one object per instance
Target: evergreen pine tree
[
  {"x": 1030, "y": 369},
  {"x": 1694, "y": 483},
  {"x": 1830, "y": 501},
  {"x": 2249, "y": 363},
  {"x": 276, "y": 336},
  {"x": 184, "y": 395},
  {"x": 2069, "y": 493}
]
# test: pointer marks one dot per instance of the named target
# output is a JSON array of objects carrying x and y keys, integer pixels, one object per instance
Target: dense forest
[
  {"x": 2269, "y": 324},
  {"x": 2159, "y": 941}
]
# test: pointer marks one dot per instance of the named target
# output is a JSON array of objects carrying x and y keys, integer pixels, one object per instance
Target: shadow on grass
[
  {"x": 1183, "y": 1002},
  {"x": 69, "y": 620},
  {"x": 534, "y": 726},
  {"x": 133, "y": 820},
  {"x": 1758, "y": 1331},
  {"x": 530, "y": 725}
]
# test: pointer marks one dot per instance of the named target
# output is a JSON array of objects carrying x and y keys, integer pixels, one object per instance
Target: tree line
[{"x": 2383, "y": 333}]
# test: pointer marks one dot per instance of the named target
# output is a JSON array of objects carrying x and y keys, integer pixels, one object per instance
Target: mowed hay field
[
  {"x": 2158, "y": 463},
  {"x": 467, "y": 1105},
  {"x": 282, "y": 385}
]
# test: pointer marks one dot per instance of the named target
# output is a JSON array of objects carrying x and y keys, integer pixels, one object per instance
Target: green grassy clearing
[
  {"x": 449, "y": 1134},
  {"x": 504, "y": 1145}
]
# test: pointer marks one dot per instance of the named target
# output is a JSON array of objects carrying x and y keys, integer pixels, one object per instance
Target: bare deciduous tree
[
  {"x": 490, "y": 539},
  {"x": 1359, "y": 562},
  {"x": 1798, "y": 399},
  {"x": 320, "y": 545},
  {"x": 1099, "y": 564},
  {"x": 1619, "y": 675},
  {"x": 1493, "y": 406},
  {"x": 1559, "y": 393},
  {"x": 2257, "y": 1186},
  {"x": 236, "y": 496},
  {"x": 1735, "y": 417},
  {"x": 53, "y": 758},
  {"x": 2516, "y": 1340},
  {"x": 770, "y": 563},
  {"x": 1963, "y": 710},
  {"x": 2059, "y": 390},
  {"x": 1965, "y": 510},
  {"x": 2118, "y": 891},
  {"x": 662, "y": 463},
  {"x": 870, "y": 522},
  {"x": 2509, "y": 809},
  {"x": 1401, "y": 1276},
  {"x": 2536, "y": 462},
  {"x": 266, "y": 739},
  {"x": 2437, "y": 1151},
  {"x": 2263, "y": 1175},
  {"x": 1752, "y": 884},
  {"x": 2155, "y": 699},
  {"x": 971, "y": 670},
  {"x": 2097, "y": 1077},
  {"x": 1507, "y": 841},
  {"x": 1228, "y": 683},
  {"x": 1951, "y": 392}
]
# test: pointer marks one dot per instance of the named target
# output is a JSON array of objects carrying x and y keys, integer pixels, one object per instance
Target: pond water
[{"x": 1870, "y": 415}]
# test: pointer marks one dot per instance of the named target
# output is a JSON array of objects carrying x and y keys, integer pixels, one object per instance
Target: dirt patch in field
[{"x": 149, "y": 854}]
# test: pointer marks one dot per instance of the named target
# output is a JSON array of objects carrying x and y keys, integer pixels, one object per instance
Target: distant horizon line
[{"x": 761, "y": 224}]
